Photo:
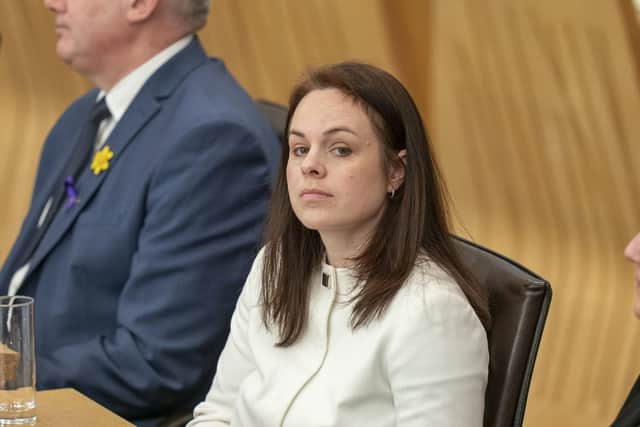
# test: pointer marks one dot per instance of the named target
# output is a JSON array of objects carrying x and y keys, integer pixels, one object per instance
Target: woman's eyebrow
[
  {"x": 339, "y": 129},
  {"x": 330, "y": 131},
  {"x": 296, "y": 133}
]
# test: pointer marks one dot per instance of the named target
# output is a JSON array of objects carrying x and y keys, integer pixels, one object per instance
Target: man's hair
[{"x": 193, "y": 13}]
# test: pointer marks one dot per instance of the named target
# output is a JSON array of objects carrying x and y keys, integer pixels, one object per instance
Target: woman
[{"x": 357, "y": 311}]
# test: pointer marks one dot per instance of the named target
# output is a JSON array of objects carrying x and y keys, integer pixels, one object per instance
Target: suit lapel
[
  {"x": 131, "y": 123},
  {"x": 46, "y": 193},
  {"x": 143, "y": 108}
]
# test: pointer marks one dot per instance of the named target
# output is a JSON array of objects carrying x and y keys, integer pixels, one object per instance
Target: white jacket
[{"x": 424, "y": 363}]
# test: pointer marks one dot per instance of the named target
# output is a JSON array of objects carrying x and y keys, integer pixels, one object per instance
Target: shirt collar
[{"x": 122, "y": 94}]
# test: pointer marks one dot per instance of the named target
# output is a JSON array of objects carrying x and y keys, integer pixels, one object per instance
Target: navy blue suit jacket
[{"x": 135, "y": 285}]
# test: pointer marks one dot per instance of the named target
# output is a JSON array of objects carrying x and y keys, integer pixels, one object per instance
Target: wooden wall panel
[
  {"x": 532, "y": 106},
  {"x": 533, "y": 110},
  {"x": 268, "y": 43}
]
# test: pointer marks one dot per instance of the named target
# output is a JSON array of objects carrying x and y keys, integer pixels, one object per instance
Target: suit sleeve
[
  {"x": 438, "y": 361},
  {"x": 205, "y": 208}
]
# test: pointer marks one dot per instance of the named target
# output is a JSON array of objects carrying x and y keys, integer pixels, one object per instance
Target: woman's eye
[
  {"x": 342, "y": 151},
  {"x": 299, "y": 151}
]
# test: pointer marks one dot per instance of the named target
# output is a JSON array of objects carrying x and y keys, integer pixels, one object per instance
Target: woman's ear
[{"x": 397, "y": 171}]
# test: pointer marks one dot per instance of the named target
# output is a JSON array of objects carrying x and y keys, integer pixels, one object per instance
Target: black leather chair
[
  {"x": 276, "y": 114},
  {"x": 519, "y": 303}
]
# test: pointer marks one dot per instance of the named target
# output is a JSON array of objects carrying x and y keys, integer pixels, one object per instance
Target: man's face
[
  {"x": 88, "y": 31},
  {"x": 632, "y": 253}
]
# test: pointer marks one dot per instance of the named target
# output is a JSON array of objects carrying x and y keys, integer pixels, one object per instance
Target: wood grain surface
[{"x": 533, "y": 108}]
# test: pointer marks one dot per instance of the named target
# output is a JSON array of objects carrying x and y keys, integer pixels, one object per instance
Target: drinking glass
[{"x": 17, "y": 361}]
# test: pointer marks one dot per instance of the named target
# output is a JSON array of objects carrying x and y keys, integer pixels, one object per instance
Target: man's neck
[{"x": 137, "y": 52}]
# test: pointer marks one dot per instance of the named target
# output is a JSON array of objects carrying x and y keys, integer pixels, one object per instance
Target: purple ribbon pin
[{"x": 72, "y": 193}]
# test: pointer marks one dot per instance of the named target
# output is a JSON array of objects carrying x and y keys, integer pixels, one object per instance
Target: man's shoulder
[
  {"x": 211, "y": 95},
  {"x": 212, "y": 83},
  {"x": 192, "y": 86}
]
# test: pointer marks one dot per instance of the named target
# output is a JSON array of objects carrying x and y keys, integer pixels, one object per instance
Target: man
[
  {"x": 136, "y": 254},
  {"x": 629, "y": 415}
]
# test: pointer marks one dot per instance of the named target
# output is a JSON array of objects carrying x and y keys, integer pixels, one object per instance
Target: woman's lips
[{"x": 313, "y": 194}]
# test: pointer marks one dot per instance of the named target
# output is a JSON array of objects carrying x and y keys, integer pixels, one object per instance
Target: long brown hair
[{"x": 415, "y": 221}]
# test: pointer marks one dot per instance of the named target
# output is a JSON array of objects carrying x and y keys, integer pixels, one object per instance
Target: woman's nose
[{"x": 313, "y": 165}]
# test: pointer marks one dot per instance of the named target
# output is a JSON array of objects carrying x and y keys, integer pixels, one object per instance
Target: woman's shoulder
[
  {"x": 433, "y": 294},
  {"x": 252, "y": 285},
  {"x": 429, "y": 278},
  {"x": 255, "y": 274}
]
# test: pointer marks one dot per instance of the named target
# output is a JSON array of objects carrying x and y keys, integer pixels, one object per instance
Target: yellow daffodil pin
[{"x": 101, "y": 160}]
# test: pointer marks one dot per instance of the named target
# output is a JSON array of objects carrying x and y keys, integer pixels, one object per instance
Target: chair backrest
[
  {"x": 519, "y": 302},
  {"x": 276, "y": 114}
]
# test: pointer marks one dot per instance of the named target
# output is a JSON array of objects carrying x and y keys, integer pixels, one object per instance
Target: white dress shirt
[{"x": 423, "y": 363}]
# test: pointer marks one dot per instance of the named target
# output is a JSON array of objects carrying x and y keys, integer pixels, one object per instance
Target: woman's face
[
  {"x": 335, "y": 173},
  {"x": 632, "y": 253}
]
